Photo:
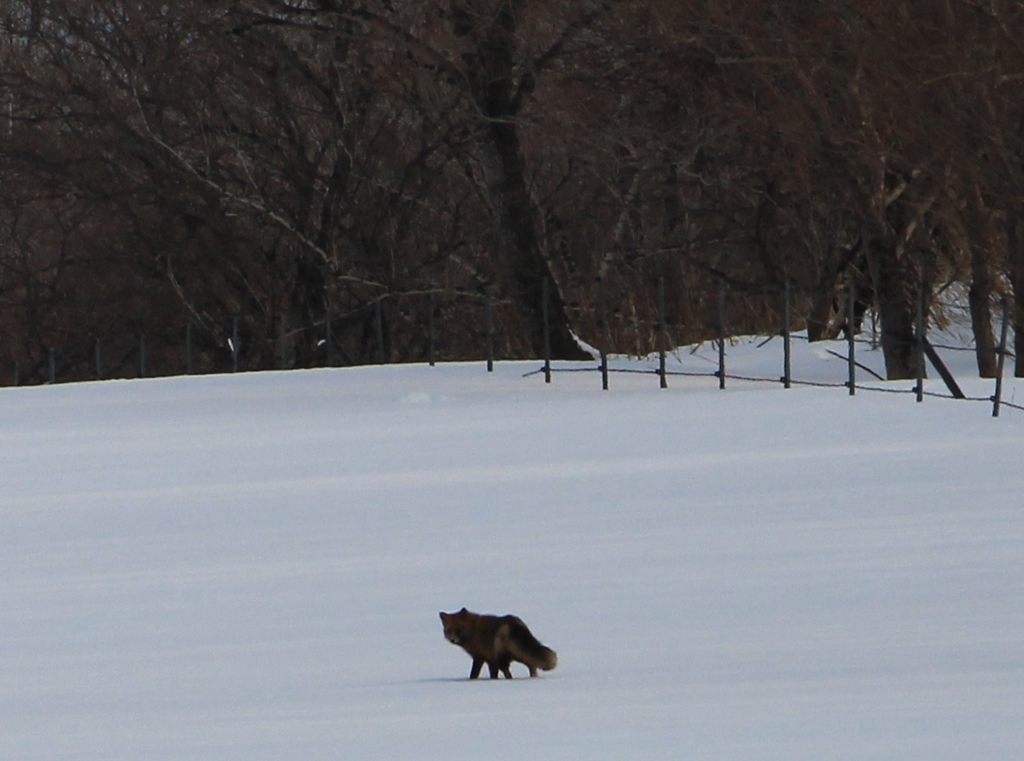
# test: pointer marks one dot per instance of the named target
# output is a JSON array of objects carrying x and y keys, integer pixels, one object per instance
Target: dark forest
[{"x": 290, "y": 175}]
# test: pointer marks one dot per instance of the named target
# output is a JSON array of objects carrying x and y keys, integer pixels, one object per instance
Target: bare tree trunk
[
  {"x": 498, "y": 92},
  {"x": 895, "y": 289},
  {"x": 979, "y": 296},
  {"x": 819, "y": 321},
  {"x": 517, "y": 246},
  {"x": 980, "y": 300}
]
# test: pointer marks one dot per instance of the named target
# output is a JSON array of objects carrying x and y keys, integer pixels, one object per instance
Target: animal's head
[{"x": 455, "y": 626}]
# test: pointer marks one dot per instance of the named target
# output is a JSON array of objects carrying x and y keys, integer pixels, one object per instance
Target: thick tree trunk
[
  {"x": 819, "y": 321},
  {"x": 517, "y": 247},
  {"x": 896, "y": 291},
  {"x": 826, "y": 319},
  {"x": 498, "y": 92},
  {"x": 979, "y": 298}
]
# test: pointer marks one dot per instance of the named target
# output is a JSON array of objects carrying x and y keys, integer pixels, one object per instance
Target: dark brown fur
[{"x": 496, "y": 641}]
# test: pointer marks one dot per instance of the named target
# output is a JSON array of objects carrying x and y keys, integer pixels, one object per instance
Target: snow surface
[{"x": 250, "y": 567}]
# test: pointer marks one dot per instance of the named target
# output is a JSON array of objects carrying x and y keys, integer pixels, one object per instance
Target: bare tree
[{"x": 284, "y": 161}]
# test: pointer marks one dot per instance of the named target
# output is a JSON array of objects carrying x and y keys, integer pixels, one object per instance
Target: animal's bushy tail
[
  {"x": 529, "y": 650},
  {"x": 549, "y": 659}
]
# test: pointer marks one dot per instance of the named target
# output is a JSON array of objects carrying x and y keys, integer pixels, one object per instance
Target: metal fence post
[
  {"x": 328, "y": 339},
  {"x": 851, "y": 313},
  {"x": 661, "y": 333},
  {"x": 721, "y": 335},
  {"x": 545, "y": 296},
  {"x": 603, "y": 329},
  {"x": 432, "y": 340},
  {"x": 379, "y": 316},
  {"x": 787, "y": 370},
  {"x": 919, "y": 345},
  {"x": 489, "y": 326},
  {"x": 235, "y": 348},
  {"x": 1001, "y": 359},
  {"x": 282, "y": 351}
]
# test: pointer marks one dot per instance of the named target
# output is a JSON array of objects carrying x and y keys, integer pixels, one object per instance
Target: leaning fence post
[
  {"x": 721, "y": 335},
  {"x": 851, "y": 315},
  {"x": 1001, "y": 359},
  {"x": 545, "y": 296},
  {"x": 661, "y": 332},
  {"x": 787, "y": 372}
]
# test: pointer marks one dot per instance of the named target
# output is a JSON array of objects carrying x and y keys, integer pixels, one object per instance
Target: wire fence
[
  {"x": 134, "y": 350},
  {"x": 656, "y": 375},
  {"x": 923, "y": 350}
]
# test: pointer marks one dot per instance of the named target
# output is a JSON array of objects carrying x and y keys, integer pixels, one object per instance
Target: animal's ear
[
  {"x": 443, "y": 615},
  {"x": 463, "y": 610}
]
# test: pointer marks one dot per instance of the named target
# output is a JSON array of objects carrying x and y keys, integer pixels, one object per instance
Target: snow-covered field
[{"x": 250, "y": 567}]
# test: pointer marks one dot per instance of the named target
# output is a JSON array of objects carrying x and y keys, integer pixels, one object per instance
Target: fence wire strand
[{"x": 794, "y": 381}]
